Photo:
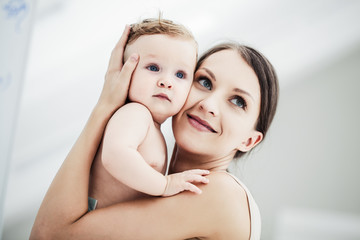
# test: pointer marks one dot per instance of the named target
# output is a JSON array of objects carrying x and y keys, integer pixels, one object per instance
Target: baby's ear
[{"x": 253, "y": 140}]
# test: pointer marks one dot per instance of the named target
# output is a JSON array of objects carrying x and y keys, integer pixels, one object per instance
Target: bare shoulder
[
  {"x": 131, "y": 121},
  {"x": 134, "y": 109},
  {"x": 224, "y": 187},
  {"x": 133, "y": 114},
  {"x": 228, "y": 201}
]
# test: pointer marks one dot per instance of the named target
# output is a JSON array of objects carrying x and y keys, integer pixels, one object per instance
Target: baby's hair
[{"x": 153, "y": 26}]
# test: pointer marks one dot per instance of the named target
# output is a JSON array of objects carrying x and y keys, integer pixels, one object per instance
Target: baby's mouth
[{"x": 162, "y": 96}]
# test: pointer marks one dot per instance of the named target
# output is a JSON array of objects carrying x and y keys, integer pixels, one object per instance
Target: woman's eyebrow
[
  {"x": 238, "y": 90},
  {"x": 210, "y": 73}
]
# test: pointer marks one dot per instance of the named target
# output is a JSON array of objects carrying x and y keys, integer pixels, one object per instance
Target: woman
[{"x": 228, "y": 112}]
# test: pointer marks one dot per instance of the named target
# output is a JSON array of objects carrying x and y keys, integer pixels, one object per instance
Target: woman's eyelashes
[
  {"x": 238, "y": 101},
  {"x": 205, "y": 82}
]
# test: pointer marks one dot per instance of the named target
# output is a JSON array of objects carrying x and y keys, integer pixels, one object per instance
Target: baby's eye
[
  {"x": 205, "y": 83},
  {"x": 153, "y": 68},
  {"x": 238, "y": 101},
  {"x": 180, "y": 75}
]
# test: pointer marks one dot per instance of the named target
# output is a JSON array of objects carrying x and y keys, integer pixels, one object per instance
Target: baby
[{"x": 132, "y": 158}]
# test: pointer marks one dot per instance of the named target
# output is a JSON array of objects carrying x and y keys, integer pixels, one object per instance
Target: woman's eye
[
  {"x": 180, "y": 75},
  {"x": 205, "y": 83},
  {"x": 238, "y": 101},
  {"x": 153, "y": 68}
]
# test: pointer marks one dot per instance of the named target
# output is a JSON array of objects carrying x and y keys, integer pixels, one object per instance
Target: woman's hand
[{"x": 118, "y": 75}]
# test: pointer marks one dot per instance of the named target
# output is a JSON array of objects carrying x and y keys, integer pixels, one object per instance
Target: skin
[
  {"x": 229, "y": 107},
  {"x": 220, "y": 212},
  {"x": 165, "y": 70},
  {"x": 126, "y": 165}
]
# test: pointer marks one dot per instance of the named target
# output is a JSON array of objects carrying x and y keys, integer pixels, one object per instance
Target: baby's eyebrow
[{"x": 151, "y": 55}]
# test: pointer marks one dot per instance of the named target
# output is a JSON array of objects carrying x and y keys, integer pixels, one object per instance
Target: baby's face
[{"x": 164, "y": 74}]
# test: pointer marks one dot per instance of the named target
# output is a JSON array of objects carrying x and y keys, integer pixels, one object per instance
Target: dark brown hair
[{"x": 265, "y": 72}]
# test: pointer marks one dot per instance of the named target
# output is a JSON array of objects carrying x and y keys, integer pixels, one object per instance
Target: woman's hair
[
  {"x": 153, "y": 26},
  {"x": 265, "y": 72}
]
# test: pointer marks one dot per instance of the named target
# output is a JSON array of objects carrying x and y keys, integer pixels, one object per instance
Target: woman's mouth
[
  {"x": 162, "y": 96},
  {"x": 200, "y": 124}
]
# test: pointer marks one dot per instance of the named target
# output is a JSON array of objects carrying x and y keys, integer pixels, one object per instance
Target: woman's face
[{"x": 220, "y": 114}]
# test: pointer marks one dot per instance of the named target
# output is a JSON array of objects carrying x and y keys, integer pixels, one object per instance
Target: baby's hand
[{"x": 182, "y": 181}]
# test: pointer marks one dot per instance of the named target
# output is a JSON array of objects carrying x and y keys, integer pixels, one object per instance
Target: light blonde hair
[{"x": 152, "y": 26}]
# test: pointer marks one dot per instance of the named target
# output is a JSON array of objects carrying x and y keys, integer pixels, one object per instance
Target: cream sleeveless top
[{"x": 255, "y": 218}]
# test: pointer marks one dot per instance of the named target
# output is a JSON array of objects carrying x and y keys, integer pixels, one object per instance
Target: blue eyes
[
  {"x": 238, "y": 101},
  {"x": 153, "y": 68},
  {"x": 206, "y": 83},
  {"x": 180, "y": 75},
  {"x": 235, "y": 100}
]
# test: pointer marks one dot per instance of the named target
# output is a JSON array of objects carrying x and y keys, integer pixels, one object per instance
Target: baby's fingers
[
  {"x": 196, "y": 178},
  {"x": 192, "y": 188},
  {"x": 199, "y": 171}
]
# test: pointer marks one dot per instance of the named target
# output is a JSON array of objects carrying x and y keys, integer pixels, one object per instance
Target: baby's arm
[{"x": 124, "y": 133}]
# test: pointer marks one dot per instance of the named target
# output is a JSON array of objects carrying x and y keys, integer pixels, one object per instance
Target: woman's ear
[{"x": 251, "y": 142}]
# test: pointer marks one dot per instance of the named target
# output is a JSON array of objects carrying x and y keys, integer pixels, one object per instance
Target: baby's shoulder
[
  {"x": 133, "y": 109},
  {"x": 134, "y": 106}
]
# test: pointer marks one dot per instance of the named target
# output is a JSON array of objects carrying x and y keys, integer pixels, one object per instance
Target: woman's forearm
[{"x": 66, "y": 199}]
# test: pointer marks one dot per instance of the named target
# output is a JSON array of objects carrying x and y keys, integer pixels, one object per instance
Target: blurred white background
[{"x": 304, "y": 176}]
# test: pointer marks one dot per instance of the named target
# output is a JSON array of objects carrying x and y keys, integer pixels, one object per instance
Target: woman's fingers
[
  {"x": 117, "y": 83},
  {"x": 122, "y": 81},
  {"x": 116, "y": 59},
  {"x": 129, "y": 68}
]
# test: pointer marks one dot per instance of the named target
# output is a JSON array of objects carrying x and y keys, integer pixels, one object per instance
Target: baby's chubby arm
[{"x": 124, "y": 133}]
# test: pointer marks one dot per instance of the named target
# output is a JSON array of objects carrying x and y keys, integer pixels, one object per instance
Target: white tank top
[{"x": 255, "y": 218}]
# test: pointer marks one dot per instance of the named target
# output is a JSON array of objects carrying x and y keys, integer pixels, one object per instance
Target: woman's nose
[
  {"x": 164, "y": 82},
  {"x": 210, "y": 105}
]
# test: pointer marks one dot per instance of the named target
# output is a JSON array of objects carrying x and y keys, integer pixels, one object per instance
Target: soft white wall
[
  {"x": 311, "y": 158},
  {"x": 16, "y": 20}
]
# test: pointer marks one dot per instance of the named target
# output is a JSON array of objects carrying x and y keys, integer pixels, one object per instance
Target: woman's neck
[{"x": 182, "y": 161}]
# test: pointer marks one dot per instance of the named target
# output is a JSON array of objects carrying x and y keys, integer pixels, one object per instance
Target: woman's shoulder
[
  {"x": 223, "y": 182},
  {"x": 229, "y": 203}
]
